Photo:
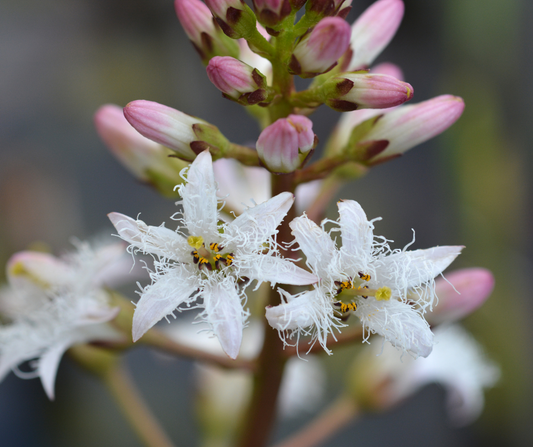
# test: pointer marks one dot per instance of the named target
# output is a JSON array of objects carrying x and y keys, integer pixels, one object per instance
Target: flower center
[
  {"x": 209, "y": 258},
  {"x": 350, "y": 289}
]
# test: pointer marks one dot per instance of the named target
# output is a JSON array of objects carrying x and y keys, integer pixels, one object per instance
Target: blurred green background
[{"x": 62, "y": 59}]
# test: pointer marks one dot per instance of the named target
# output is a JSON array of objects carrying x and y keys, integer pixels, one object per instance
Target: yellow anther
[
  {"x": 195, "y": 241},
  {"x": 18, "y": 269},
  {"x": 214, "y": 246},
  {"x": 383, "y": 293},
  {"x": 364, "y": 276}
]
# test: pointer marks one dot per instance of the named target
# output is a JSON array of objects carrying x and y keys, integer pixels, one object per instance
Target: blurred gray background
[{"x": 62, "y": 59}]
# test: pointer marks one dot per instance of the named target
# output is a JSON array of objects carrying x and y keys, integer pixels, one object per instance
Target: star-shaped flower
[
  {"x": 388, "y": 290},
  {"x": 53, "y": 303},
  {"x": 214, "y": 260}
]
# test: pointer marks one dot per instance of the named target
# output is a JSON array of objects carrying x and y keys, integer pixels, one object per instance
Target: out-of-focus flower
[
  {"x": 365, "y": 277},
  {"x": 285, "y": 145},
  {"x": 318, "y": 51},
  {"x": 237, "y": 80},
  {"x": 373, "y": 31},
  {"x": 204, "y": 33},
  {"x": 184, "y": 134},
  {"x": 460, "y": 293},
  {"x": 382, "y": 378},
  {"x": 366, "y": 91},
  {"x": 396, "y": 130},
  {"x": 147, "y": 160},
  {"x": 213, "y": 261},
  {"x": 53, "y": 303}
]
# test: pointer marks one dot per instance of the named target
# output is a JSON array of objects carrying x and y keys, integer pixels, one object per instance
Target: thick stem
[
  {"x": 270, "y": 363},
  {"x": 324, "y": 425},
  {"x": 320, "y": 168}
]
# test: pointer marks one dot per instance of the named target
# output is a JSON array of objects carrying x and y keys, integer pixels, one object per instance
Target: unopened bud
[
  {"x": 184, "y": 134},
  {"x": 460, "y": 293},
  {"x": 285, "y": 145},
  {"x": 271, "y": 12},
  {"x": 234, "y": 17},
  {"x": 147, "y": 160},
  {"x": 237, "y": 80},
  {"x": 318, "y": 51},
  {"x": 373, "y": 31},
  {"x": 203, "y": 31},
  {"x": 370, "y": 91}
]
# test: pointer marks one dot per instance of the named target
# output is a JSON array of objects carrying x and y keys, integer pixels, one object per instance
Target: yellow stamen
[{"x": 383, "y": 293}]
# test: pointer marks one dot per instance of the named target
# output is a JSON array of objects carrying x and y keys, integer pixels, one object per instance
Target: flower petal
[
  {"x": 48, "y": 364},
  {"x": 162, "y": 298},
  {"x": 159, "y": 241},
  {"x": 256, "y": 225},
  {"x": 398, "y": 322},
  {"x": 225, "y": 314},
  {"x": 316, "y": 244},
  {"x": 42, "y": 269},
  {"x": 408, "y": 269},
  {"x": 199, "y": 196},
  {"x": 356, "y": 230},
  {"x": 274, "y": 270}
]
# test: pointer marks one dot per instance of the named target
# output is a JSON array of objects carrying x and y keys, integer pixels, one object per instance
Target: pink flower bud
[
  {"x": 196, "y": 19},
  {"x": 284, "y": 145},
  {"x": 373, "y": 31},
  {"x": 141, "y": 156},
  {"x": 371, "y": 91},
  {"x": 237, "y": 80},
  {"x": 164, "y": 125},
  {"x": 407, "y": 126},
  {"x": 462, "y": 292},
  {"x": 271, "y": 12},
  {"x": 318, "y": 51},
  {"x": 219, "y": 8}
]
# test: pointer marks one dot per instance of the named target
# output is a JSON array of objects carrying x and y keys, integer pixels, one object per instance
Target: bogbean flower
[
  {"x": 318, "y": 51},
  {"x": 398, "y": 129},
  {"x": 147, "y": 160},
  {"x": 285, "y": 144},
  {"x": 380, "y": 379},
  {"x": 215, "y": 261},
  {"x": 388, "y": 290},
  {"x": 53, "y": 303},
  {"x": 373, "y": 31}
]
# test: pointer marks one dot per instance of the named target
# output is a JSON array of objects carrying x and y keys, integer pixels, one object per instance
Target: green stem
[
  {"x": 320, "y": 168},
  {"x": 271, "y": 361},
  {"x": 244, "y": 154},
  {"x": 340, "y": 413},
  {"x": 134, "y": 409}
]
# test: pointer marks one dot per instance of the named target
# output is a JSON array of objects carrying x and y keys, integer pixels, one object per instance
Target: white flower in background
[
  {"x": 53, "y": 303},
  {"x": 383, "y": 379},
  {"x": 366, "y": 277},
  {"x": 215, "y": 260}
]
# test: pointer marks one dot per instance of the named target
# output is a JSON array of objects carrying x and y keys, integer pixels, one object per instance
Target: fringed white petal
[
  {"x": 225, "y": 315},
  {"x": 159, "y": 241},
  {"x": 256, "y": 225},
  {"x": 162, "y": 298},
  {"x": 274, "y": 270},
  {"x": 48, "y": 364},
  {"x": 317, "y": 245},
  {"x": 356, "y": 230},
  {"x": 199, "y": 194},
  {"x": 398, "y": 323}
]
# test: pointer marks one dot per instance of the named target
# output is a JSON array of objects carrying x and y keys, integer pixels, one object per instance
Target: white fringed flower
[
  {"x": 53, "y": 303},
  {"x": 366, "y": 277},
  {"x": 215, "y": 261}
]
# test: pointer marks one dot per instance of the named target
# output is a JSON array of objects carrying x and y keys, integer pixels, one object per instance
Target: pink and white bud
[
  {"x": 408, "y": 126},
  {"x": 271, "y": 12},
  {"x": 460, "y": 293},
  {"x": 237, "y": 80},
  {"x": 318, "y": 51},
  {"x": 219, "y": 8},
  {"x": 164, "y": 125},
  {"x": 373, "y": 31},
  {"x": 285, "y": 145},
  {"x": 389, "y": 69},
  {"x": 368, "y": 91},
  {"x": 234, "y": 17},
  {"x": 141, "y": 156}
]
